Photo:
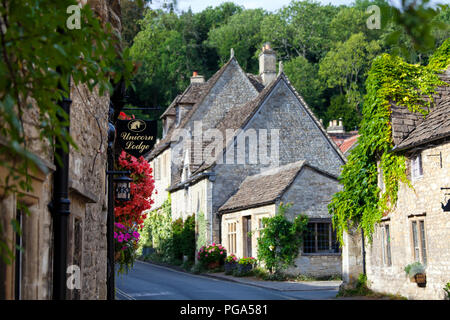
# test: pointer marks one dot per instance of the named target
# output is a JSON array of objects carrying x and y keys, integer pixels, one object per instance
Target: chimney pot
[{"x": 196, "y": 78}]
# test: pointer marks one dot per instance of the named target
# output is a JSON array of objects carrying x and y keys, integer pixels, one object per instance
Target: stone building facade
[
  {"x": 309, "y": 190},
  {"x": 230, "y": 112},
  {"x": 418, "y": 229},
  {"x": 30, "y": 275}
]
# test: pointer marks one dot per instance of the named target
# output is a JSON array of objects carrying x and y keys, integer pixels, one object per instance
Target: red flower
[{"x": 142, "y": 187}]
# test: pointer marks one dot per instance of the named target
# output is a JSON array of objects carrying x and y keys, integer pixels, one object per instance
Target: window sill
[{"x": 321, "y": 254}]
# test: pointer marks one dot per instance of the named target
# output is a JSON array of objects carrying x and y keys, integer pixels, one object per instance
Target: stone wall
[
  {"x": 422, "y": 202},
  {"x": 162, "y": 178}
]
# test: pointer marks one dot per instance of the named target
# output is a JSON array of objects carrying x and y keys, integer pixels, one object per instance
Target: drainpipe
[
  {"x": 363, "y": 252},
  {"x": 60, "y": 208},
  {"x": 110, "y": 282}
]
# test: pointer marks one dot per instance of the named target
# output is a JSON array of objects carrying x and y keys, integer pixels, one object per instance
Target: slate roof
[
  {"x": 263, "y": 188},
  {"x": 239, "y": 116},
  {"x": 435, "y": 126}
]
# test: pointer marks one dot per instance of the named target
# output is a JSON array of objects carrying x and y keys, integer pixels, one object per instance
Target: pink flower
[
  {"x": 221, "y": 252},
  {"x": 124, "y": 248},
  {"x": 115, "y": 235},
  {"x": 120, "y": 238},
  {"x": 206, "y": 255},
  {"x": 214, "y": 244},
  {"x": 136, "y": 234}
]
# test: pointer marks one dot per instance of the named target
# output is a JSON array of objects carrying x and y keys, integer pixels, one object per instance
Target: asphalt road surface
[{"x": 152, "y": 282}]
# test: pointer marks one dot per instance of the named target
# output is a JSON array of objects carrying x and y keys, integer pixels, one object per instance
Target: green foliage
[
  {"x": 340, "y": 108},
  {"x": 242, "y": 33},
  {"x": 38, "y": 56},
  {"x": 414, "y": 268},
  {"x": 360, "y": 203},
  {"x": 447, "y": 290},
  {"x": 201, "y": 236},
  {"x": 304, "y": 77},
  {"x": 171, "y": 239},
  {"x": 441, "y": 58},
  {"x": 345, "y": 65},
  {"x": 280, "y": 240}
]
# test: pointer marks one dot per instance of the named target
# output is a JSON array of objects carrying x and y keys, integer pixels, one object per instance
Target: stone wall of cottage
[
  {"x": 255, "y": 214},
  {"x": 422, "y": 202},
  {"x": 161, "y": 166},
  {"x": 299, "y": 139},
  {"x": 310, "y": 194}
]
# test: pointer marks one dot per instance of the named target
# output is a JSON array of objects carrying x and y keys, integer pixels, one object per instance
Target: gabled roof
[
  {"x": 266, "y": 187},
  {"x": 195, "y": 94},
  {"x": 238, "y": 117}
]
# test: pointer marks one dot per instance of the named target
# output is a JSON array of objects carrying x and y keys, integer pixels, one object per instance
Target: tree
[
  {"x": 300, "y": 29},
  {"x": 242, "y": 33},
  {"x": 345, "y": 66},
  {"x": 340, "y": 108},
  {"x": 132, "y": 12},
  {"x": 304, "y": 77}
]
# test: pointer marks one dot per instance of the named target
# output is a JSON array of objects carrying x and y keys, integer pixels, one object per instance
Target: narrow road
[{"x": 152, "y": 282}]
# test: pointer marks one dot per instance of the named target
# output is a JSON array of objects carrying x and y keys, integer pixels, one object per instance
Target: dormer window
[{"x": 416, "y": 167}]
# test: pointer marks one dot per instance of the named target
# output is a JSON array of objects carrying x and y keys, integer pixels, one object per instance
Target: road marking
[{"x": 126, "y": 295}]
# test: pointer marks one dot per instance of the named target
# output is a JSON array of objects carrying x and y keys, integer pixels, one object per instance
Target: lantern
[{"x": 122, "y": 188}]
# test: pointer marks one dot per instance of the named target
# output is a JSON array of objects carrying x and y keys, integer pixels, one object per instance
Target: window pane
[
  {"x": 388, "y": 246},
  {"x": 334, "y": 241},
  {"x": 415, "y": 241},
  {"x": 422, "y": 236},
  {"x": 323, "y": 236},
  {"x": 309, "y": 239}
]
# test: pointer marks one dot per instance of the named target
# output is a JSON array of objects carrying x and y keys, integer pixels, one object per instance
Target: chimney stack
[
  {"x": 196, "y": 78},
  {"x": 267, "y": 64}
]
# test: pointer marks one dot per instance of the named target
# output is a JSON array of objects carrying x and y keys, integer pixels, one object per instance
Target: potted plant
[
  {"x": 245, "y": 264},
  {"x": 230, "y": 263},
  {"x": 212, "y": 256},
  {"x": 416, "y": 273}
]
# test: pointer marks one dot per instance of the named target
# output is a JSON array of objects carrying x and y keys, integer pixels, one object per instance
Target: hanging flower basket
[{"x": 420, "y": 279}]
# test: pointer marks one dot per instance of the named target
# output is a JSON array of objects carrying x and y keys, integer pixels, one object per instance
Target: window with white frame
[
  {"x": 416, "y": 167},
  {"x": 418, "y": 240},
  {"x": 231, "y": 237},
  {"x": 386, "y": 244}
]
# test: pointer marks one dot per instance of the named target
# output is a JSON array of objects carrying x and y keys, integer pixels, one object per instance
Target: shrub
[
  {"x": 188, "y": 238},
  {"x": 177, "y": 239},
  {"x": 280, "y": 240},
  {"x": 249, "y": 260},
  {"x": 211, "y": 253},
  {"x": 231, "y": 258}
]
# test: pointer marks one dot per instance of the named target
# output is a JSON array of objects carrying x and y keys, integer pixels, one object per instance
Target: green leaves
[
  {"x": 280, "y": 240},
  {"x": 391, "y": 80}
]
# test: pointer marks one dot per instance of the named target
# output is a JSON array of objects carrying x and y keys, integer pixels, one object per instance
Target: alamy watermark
[
  {"x": 228, "y": 146},
  {"x": 374, "y": 21}
]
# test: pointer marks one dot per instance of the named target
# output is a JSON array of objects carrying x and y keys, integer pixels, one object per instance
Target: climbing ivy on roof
[{"x": 361, "y": 203}]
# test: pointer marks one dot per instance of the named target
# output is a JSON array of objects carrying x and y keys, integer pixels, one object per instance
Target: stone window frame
[
  {"x": 418, "y": 238},
  {"x": 386, "y": 243},
  {"x": 232, "y": 237},
  {"x": 332, "y": 232}
]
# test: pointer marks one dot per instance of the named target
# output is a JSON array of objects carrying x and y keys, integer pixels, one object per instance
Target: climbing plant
[
  {"x": 280, "y": 239},
  {"x": 391, "y": 80}
]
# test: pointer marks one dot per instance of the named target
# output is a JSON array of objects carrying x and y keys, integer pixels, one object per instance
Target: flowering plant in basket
[
  {"x": 126, "y": 243},
  {"x": 213, "y": 254}
]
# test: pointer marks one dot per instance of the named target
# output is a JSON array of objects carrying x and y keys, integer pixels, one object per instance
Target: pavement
[{"x": 156, "y": 282}]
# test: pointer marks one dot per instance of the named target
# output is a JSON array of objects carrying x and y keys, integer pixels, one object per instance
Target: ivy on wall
[
  {"x": 391, "y": 80},
  {"x": 201, "y": 233}
]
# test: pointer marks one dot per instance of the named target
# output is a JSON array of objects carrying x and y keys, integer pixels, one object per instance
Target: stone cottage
[
  {"x": 418, "y": 229},
  {"x": 235, "y": 125},
  {"x": 259, "y": 196},
  {"x": 30, "y": 275}
]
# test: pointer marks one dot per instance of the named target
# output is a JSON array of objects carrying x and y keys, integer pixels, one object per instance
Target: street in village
[{"x": 147, "y": 281}]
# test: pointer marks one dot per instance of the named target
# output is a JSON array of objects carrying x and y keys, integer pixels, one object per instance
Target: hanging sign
[{"x": 135, "y": 136}]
